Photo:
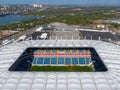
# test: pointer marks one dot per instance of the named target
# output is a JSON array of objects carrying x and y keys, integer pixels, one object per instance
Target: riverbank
[
  {"x": 82, "y": 16},
  {"x": 83, "y": 19},
  {"x": 14, "y": 18}
]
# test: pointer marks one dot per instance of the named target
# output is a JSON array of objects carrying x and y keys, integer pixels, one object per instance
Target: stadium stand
[
  {"x": 105, "y": 36},
  {"x": 109, "y": 80}
]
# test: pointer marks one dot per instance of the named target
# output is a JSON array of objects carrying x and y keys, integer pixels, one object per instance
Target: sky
[{"x": 62, "y": 2}]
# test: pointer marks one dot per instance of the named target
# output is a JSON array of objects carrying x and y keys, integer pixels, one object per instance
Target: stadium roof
[{"x": 109, "y": 53}]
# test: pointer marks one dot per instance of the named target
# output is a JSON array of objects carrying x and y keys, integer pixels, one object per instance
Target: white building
[
  {"x": 100, "y": 26},
  {"x": 37, "y": 5},
  {"x": 44, "y": 36},
  {"x": 39, "y": 29},
  {"x": 109, "y": 53},
  {"x": 22, "y": 37}
]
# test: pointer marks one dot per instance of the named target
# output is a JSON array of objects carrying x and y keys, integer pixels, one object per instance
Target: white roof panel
[{"x": 60, "y": 80}]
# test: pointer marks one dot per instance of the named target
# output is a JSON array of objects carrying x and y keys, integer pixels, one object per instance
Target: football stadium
[
  {"x": 59, "y": 59},
  {"x": 60, "y": 65}
]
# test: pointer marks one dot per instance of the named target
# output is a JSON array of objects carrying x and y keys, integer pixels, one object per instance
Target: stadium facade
[{"x": 109, "y": 80}]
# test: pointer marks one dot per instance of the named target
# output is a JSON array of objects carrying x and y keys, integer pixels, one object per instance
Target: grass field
[{"x": 62, "y": 68}]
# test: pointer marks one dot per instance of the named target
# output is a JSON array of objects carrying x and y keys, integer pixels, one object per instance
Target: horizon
[
  {"x": 62, "y": 2},
  {"x": 69, "y": 4}
]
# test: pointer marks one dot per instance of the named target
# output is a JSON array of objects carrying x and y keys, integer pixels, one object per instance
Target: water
[
  {"x": 9, "y": 19},
  {"x": 13, "y": 18}
]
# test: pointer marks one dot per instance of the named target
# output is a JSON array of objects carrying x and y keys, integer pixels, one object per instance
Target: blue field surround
[
  {"x": 74, "y": 60},
  {"x": 88, "y": 60},
  {"x": 61, "y": 60},
  {"x": 67, "y": 61},
  {"x": 46, "y": 60},
  {"x": 40, "y": 61},
  {"x": 62, "y": 56},
  {"x": 82, "y": 60},
  {"x": 53, "y": 60},
  {"x": 54, "y": 57}
]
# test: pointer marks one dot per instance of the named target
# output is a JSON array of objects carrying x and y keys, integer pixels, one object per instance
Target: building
[
  {"x": 37, "y": 5},
  {"x": 111, "y": 21},
  {"x": 109, "y": 80},
  {"x": 100, "y": 26}
]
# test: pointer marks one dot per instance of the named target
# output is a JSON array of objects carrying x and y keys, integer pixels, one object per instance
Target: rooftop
[{"x": 109, "y": 80}]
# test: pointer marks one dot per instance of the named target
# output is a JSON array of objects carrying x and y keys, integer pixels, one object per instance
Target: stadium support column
[
  {"x": 78, "y": 61},
  {"x": 37, "y": 38},
  {"x": 85, "y": 60},
  {"x": 56, "y": 37},
  {"x": 109, "y": 39},
  {"x": 66, "y": 37},
  {"x": 91, "y": 37},
  {"x": 50, "y": 60},
  {"x": 50, "y": 37},
  {"x": 70, "y": 60},
  {"x": 99, "y": 38},
  {"x": 64, "y": 61},
  {"x": 43, "y": 61},
  {"x": 36, "y": 60},
  {"x": 72, "y": 37},
  {"x": 85, "y": 37},
  {"x": 90, "y": 60},
  {"x": 57, "y": 60},
  {"x": 85, "y": 56},
  {"x": 31, "y": 38}
]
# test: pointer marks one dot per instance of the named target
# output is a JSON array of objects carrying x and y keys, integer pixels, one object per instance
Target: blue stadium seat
[
  {"x": 88, "y": 59},
  {"x": 67, "y": 61},
  {"x": 81, "y": 60},
  {"x": 74, "y": 60},
  {"x": 54, "y": 61},
  {"x": 61, "y": 60},
  {"x": 46, "y": 60},
  {"x": 40, "y": 60}
]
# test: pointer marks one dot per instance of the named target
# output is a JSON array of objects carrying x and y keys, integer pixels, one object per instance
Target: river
[{"x": 13, "y": 18}]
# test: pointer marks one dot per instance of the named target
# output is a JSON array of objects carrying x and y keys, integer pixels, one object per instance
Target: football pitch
[{"x": 70, "y": 59}]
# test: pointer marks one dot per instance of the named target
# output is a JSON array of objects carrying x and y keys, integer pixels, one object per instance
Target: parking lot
[
  {"x": 65, "y": 35},
  {"x": 75, "y": 34},
  {"x": 105, "y": 36}
]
